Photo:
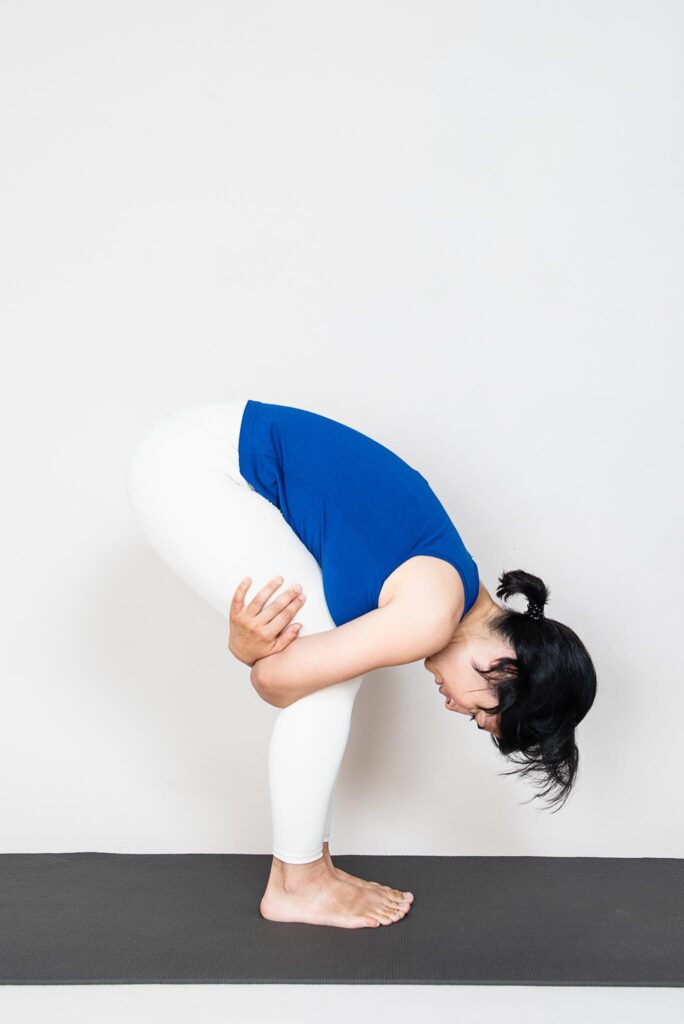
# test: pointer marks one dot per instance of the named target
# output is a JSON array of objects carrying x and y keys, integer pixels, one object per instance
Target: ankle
[{"x": 291, "y": 877}]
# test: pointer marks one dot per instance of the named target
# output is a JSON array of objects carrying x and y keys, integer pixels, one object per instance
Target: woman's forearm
[
  {"x": 282, "y": 678},
  {"x": 396, "y": 634}
]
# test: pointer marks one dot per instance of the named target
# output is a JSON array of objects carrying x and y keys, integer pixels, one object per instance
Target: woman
[{"x": 231, "y": 492}]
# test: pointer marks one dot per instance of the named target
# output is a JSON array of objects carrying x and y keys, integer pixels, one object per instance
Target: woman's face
[{"x": 462, "y": 686}]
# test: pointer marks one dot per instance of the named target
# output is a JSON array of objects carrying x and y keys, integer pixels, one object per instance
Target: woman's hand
[{"x": 260, "y": 629}]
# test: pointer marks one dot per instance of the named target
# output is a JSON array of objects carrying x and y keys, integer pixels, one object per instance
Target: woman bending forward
[{"x": 376, "y": 574}]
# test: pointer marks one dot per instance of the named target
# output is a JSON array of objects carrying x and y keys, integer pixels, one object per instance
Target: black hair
[{"x": 544, "y": 692}]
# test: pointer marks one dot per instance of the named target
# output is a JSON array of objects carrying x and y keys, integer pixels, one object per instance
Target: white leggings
[{"x": 212, "y": 528}]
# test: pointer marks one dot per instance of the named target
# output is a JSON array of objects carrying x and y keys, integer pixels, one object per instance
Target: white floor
[{"x": 301, "y": 1004}]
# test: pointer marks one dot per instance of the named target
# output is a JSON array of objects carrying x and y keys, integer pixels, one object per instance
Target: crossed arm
[{"x": 402, "y": 631}]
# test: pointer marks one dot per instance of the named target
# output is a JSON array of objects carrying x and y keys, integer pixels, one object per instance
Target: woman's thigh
[{"x": 206, "y": 521}]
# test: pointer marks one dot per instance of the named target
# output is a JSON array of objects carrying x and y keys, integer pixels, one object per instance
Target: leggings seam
[
  {"x": 226, "y": 448},
  {"x": 200, "y": 426}
]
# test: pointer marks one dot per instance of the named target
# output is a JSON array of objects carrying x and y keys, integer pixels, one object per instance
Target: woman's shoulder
[{"x": 427, "y": 579}]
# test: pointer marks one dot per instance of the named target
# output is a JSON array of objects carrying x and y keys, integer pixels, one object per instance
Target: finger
[
  {"x": 257, "y": 603},
  {"x": 287, "y": 636},
  {"x": 280, "y": 621},
  {"x": 237, "y": 604},
  {"x": 289, "y": 601}
]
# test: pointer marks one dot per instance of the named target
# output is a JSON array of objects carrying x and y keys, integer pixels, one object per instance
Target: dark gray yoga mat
[{"x": 94, "y": 918}]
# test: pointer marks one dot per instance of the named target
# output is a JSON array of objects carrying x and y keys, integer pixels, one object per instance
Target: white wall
[{"x": 456, "y": 226}]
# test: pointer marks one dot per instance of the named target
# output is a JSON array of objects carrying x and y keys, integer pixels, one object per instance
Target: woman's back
[{"x": 360, "y": 509}]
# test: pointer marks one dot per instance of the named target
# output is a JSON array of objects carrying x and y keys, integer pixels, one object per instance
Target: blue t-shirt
[{"x": 359, "y": 509}]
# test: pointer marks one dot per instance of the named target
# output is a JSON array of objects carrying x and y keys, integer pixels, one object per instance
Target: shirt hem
[{"x": 245, "y": 455}]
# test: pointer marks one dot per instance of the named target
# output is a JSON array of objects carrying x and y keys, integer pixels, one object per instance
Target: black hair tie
[{"x": 535, "y": 611}]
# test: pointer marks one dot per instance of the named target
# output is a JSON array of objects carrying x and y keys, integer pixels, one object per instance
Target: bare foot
[
  {"x": 315, "y": 896},
  {"x": 344, "y": 876}
]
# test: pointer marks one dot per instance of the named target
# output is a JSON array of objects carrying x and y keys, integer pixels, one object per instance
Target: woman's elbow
[{"x": 266, "y": 688}]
